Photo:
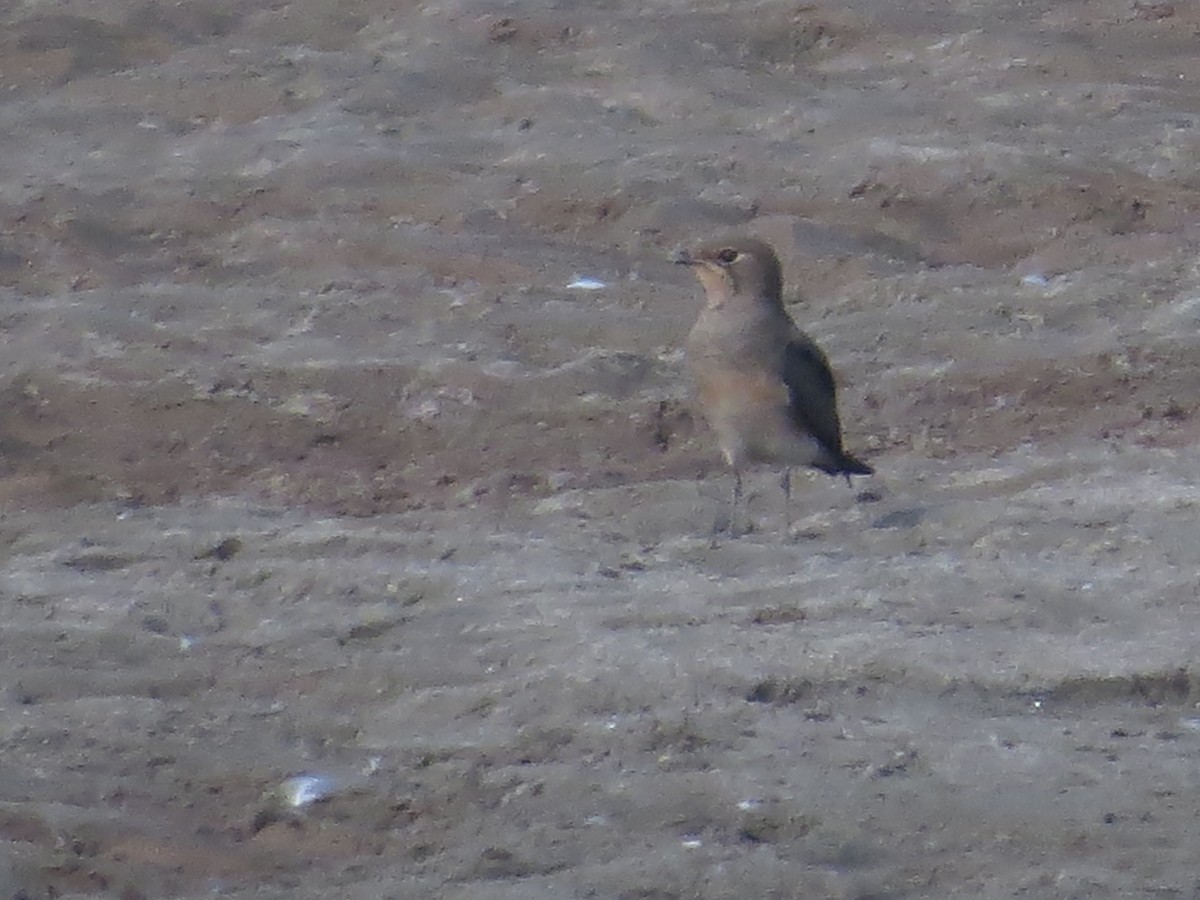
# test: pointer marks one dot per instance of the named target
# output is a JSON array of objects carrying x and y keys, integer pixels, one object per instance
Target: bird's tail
[
  {"x": 849, "y": 465},
  {"x": 852, "y": 466},
  {"x": 845, "y": 464}
]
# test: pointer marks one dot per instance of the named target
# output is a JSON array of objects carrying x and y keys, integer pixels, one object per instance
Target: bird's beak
[{"x": 684, "y": 258}]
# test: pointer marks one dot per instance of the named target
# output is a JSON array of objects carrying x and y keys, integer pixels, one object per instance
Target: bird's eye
[{"x": 727, "y": 256}]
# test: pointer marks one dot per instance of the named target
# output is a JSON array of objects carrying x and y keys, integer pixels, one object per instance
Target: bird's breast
[{"x": 729, "y": 390}]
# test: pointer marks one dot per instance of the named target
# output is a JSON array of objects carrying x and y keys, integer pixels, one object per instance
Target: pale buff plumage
[{"x": 765, "y": 386}]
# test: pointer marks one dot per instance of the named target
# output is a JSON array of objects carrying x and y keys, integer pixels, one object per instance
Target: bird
[{"x": 765, "y": 387}]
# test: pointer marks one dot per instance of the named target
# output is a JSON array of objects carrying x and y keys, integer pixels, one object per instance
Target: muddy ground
[{"x": 343, "y": 436}]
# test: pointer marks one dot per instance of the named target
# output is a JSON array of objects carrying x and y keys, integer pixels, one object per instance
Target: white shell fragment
[
  {"x": 300, "y": 791},
  {"x": 308, "y": 788},
  {"x": 583, "y": 283}
]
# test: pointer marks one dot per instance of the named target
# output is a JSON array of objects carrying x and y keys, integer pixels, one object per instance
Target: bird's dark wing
[{"x": 812, "y": 394}]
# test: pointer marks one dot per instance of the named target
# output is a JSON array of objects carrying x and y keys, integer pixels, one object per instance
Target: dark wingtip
[
  {"x": 846, "y": 466},
  {"x": 851, "y": 466}
]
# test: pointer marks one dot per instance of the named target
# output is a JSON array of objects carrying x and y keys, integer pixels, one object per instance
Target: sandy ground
[{"x": 320, "y": 471}]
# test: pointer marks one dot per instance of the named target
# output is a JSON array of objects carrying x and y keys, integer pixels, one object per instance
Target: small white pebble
[
  {"x": 583, "y": 283},
  {"x": 302, "y": 790}
]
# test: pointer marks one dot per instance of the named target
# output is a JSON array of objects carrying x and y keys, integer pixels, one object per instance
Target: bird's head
[{"x": 736, "y": 267}]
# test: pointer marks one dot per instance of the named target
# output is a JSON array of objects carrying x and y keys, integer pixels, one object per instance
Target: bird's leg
[
  {"x": 727, "y": 520},
  {"x": 785, "y": 482},
  {"x": 736, "y": 526}
]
